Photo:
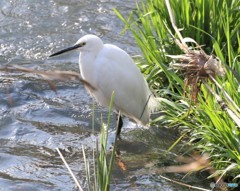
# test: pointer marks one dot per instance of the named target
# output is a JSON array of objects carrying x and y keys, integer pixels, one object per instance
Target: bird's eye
[{"x": 83, "y": 43}]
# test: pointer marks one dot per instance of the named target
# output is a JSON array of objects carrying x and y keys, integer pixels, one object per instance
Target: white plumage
[{"x": 109, "y": 68}]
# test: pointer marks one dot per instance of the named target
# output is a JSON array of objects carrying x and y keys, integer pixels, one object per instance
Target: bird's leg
[{"x": 119, "y": 124}]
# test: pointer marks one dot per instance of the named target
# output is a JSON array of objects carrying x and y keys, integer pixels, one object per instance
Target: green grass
[
  {"x": 215, "y": 25},
  {"x": 99, "y": 174},
  {"x": 104, "y": 167}
]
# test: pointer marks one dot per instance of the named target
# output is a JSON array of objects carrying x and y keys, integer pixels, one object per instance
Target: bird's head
[{"x": 88, "y": 43}]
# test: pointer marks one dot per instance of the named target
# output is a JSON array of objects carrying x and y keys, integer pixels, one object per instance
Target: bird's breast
[{"x": 88, "y": 68}]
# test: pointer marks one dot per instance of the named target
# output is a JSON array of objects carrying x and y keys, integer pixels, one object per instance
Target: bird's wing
[{"x": 117, "y": 72}]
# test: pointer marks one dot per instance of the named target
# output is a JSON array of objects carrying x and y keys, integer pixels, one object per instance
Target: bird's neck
[{"x": 86, "y": 65}]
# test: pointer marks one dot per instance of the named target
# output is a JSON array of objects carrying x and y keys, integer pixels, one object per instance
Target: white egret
[{"x": 109, "y": 68}]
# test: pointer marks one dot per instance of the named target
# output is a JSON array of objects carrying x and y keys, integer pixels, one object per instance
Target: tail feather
[{"x": 153, "y": 104}]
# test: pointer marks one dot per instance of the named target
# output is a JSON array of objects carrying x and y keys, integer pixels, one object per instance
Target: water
[{"x": 34, "y": 120}]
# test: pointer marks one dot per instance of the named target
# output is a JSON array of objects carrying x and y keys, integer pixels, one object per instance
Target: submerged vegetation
[{"x": 203, "y": 103}]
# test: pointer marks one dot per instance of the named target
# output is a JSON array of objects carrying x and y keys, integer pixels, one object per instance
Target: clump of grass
[
  {"x": 104, "y": 166},
  {"x": 99, "y": 174},
  {"x": 212, "y": 126}
]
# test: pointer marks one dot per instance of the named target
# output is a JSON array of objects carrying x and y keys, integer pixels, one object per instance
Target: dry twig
[
  {"x": 69, "y": 169},
  {"x": 49, "y": 75}
]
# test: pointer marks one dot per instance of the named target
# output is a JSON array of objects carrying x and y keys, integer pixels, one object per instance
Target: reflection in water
[{"x": 38, "y": 120}]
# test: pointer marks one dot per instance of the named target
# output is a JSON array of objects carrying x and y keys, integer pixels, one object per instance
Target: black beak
[{"x": 66, "y": 50}]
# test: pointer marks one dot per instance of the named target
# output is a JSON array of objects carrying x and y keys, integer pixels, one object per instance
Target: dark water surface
[{"x": 38, "y": 120}]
